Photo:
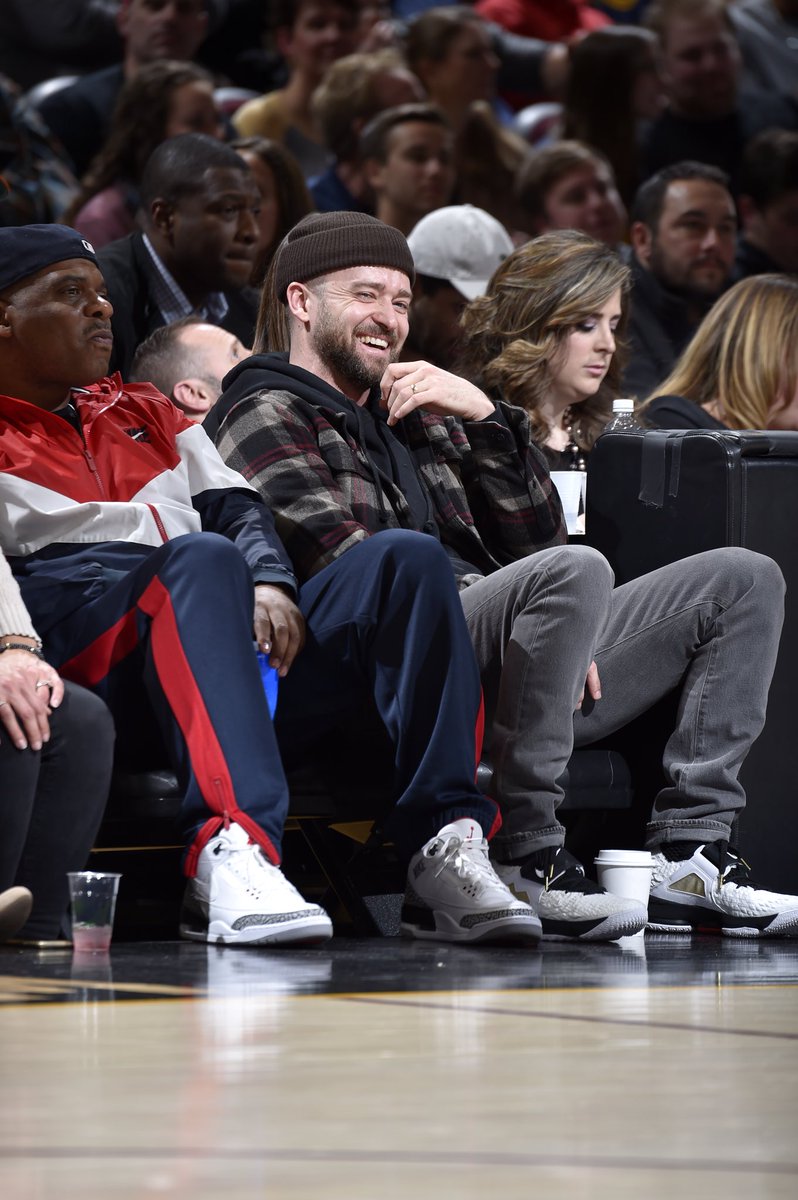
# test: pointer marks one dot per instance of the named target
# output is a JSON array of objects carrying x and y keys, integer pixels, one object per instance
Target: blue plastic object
[{"x": 270, "y": 680}]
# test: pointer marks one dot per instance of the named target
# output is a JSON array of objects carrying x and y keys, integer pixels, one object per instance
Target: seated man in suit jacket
[{"x": 195, "y": 255}]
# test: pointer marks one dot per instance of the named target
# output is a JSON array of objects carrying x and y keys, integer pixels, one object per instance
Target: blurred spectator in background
[
  {"x": 683, "y": 233},
  {"x": 73, "y": 35},
  {"x": 541, "y": 18},
  {"x": 707, "y": 119},
  {"x": 187, "y": 361},
  {"x": 199, "y": 205},
  {"x": 451, "y": 52},
  {"x": 740, "y": 371},
  {"x": 36, "y": 185},
  {"x": 407, "y": 154},
  {"x": 162, "y": 100},
  {"x": 80, "y": 115},
  {"x": 570, "y": 186},
  {"x": 767, "y": 33},
  {"x": 284, "y": 196},
  {"x": 310, "y": 35},
  {"x": 769, "y": 205},
  {"x": 353, "y": 90},
  {"x": 614, "y": 85},
  {"x": 455, "y": 251}
]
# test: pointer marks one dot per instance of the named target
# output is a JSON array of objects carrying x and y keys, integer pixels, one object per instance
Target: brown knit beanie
[{"x": 333, "y": 241}]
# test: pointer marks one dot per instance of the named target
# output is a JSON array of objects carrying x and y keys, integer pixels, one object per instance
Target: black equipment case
[{"x": 657, "y": 496}]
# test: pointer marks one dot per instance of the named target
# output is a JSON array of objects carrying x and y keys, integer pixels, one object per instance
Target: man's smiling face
[{"x": 359, "y": 322}]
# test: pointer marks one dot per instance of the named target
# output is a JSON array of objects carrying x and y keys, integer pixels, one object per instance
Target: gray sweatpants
[{"x": 707, "y": 626}]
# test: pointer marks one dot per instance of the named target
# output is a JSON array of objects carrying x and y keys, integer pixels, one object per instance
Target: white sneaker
[
  {"x": 454, "y": 895},
  {"x": 237, "y": 897},
  {"x": 708, "y": 888},
  {"x": 570, "y": 906}
]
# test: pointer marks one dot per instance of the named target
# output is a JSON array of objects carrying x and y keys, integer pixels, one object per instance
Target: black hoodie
[{"x": 388, "y": 456}]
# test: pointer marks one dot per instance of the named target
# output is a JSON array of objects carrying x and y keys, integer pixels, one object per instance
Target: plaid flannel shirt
[{"x": 489, "y": 485}]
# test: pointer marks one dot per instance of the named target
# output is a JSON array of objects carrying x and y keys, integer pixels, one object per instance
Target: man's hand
[
  {"x": 279, "y": 626},
  {"x": 409, "y": 385},
  {"x": 592, "y": 685},
  {"x": 29, "y": 690}
]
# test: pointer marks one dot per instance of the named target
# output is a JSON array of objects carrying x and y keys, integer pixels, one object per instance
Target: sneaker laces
[
  {"x": 468, "y": 861},
  {"x": 250, "y": 864}
]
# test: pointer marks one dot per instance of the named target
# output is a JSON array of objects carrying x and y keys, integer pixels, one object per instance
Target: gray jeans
[{"x": 707, "y": 626}]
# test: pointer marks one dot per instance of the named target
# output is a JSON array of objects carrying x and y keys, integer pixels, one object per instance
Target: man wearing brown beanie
[
  {"x": 346, "y": 444},
  {"x": 150, "y": 568}
]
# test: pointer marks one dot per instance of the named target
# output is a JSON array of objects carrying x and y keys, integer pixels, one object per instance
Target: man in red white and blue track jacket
[{"x": 138, "y": 552}]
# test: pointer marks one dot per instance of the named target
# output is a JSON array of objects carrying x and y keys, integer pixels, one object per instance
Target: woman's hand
[{"x": 29, "y": 690}]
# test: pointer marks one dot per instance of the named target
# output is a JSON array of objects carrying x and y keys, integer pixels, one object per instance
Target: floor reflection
[{"x": 161, "y": 969}]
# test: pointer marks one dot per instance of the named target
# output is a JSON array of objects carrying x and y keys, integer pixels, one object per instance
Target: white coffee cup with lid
[{"x": 625, "y": 873}]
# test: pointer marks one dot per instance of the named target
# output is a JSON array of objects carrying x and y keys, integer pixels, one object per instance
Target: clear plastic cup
[{"x": 93, "y": 902}]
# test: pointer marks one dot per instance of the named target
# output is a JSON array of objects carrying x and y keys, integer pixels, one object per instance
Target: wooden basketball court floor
[{"x": 386, "y": 1069}]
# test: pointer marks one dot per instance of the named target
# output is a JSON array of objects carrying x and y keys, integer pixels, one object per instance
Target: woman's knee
[
  {"x": 84, "y": 721},
  {"x": 740, "y": 570},
  {"x": 579, "y": 567}
]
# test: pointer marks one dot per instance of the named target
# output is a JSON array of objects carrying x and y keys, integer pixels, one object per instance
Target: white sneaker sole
[
  {"x": 525, "y": 930},
  {"x": 612, "y": 927},
  {"x": 297, "y": 931},
  {"x": 697, "y": 918}
]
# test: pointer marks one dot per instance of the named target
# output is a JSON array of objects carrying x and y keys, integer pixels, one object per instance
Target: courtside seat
[{"x": 330, "y": 820}]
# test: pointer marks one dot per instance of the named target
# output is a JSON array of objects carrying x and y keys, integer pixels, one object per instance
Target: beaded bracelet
[{"x": 37, "y": 650}]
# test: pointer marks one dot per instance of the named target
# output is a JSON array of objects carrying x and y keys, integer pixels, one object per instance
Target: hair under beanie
[
  {"x": 333, "y": 241},
  {"x": 27, "y": 249}
]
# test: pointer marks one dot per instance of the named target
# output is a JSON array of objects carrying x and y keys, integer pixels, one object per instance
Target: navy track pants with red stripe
[{"x": 173, "y": 639}]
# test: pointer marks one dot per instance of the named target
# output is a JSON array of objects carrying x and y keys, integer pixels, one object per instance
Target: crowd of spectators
[{"x": 631, "y": 171}]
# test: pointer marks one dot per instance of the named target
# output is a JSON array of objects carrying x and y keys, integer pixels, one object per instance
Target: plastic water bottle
[
  {"x": 270, "y": 680},
  {"x": 623, "y": 418}
]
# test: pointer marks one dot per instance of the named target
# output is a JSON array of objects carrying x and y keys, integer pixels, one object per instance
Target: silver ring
[
  {"x": 413, "y": 389},
  {"x": 3, "y": 703},
  {"x": 40, "y": 683}
]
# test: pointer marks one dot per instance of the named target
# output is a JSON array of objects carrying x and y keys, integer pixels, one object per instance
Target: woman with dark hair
[
  {"x": 308, "y": 35},
  {"x": 450, "y": 51},
  {"x": 163, "y": 100},
  {"x": 613, "y": 86},
  {"x": 284, "y": 195},
  {"x": 544, "y": 338}
]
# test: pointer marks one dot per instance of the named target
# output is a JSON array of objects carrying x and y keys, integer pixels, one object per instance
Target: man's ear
[
  {"x": 297, "y": 297},
  {"x": 193, "y": 397},
  {"x": 642, "y": 239},
  {"x": 162, "y": 216},
  {"x": 373, "y": 172},
  {"x": 5, "y": 323}
]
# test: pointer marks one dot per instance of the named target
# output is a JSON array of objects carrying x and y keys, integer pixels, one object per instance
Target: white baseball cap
[{"x": 461, "y": 244}]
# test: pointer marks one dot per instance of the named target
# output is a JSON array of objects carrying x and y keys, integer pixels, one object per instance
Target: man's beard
[
  {"x": 337, "y": 351},
  {"x": 686, "y": 288}
]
